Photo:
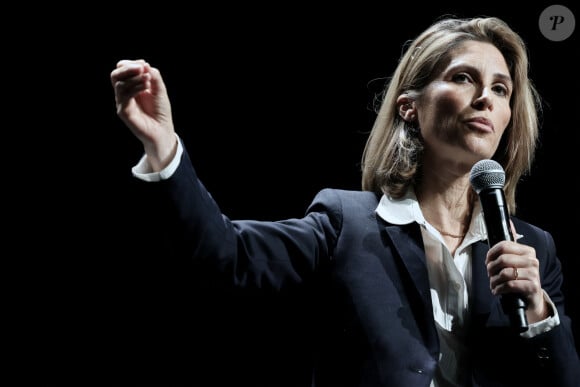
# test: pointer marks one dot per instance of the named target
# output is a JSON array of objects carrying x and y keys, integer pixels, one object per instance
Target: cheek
[
  {"x": 450, "y": 100},
  {"x": 442, "y": 102},
  {"x": 442, "y": 113},
  {"x": 503, "y": 118}
]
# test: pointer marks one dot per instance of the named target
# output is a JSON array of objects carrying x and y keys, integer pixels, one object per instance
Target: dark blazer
[{"x": 369, "y": 279}]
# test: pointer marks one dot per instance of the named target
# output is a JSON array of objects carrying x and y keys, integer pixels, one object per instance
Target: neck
[{"x": 449, "y": 212}]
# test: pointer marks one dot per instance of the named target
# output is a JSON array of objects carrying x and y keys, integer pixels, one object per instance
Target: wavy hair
[{"x": 392, "y": 154}]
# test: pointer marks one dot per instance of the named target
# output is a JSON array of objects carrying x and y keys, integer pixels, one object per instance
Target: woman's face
[{"x": 464, "y": 111}]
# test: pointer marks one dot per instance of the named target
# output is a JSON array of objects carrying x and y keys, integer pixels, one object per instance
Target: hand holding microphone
[{"x": 513, "y": 268}]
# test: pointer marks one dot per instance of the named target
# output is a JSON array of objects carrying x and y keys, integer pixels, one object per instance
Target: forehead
[{"x": 481, "y": 55}]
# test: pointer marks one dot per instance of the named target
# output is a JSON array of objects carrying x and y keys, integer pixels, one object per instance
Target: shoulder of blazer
[{"x": 348, "y": 200}]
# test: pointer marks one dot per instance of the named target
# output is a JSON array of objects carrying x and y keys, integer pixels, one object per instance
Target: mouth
[{"x": 480, "y": 124}]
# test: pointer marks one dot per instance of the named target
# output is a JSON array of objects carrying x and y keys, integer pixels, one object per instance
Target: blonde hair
[{"x": 391, "y": 158}]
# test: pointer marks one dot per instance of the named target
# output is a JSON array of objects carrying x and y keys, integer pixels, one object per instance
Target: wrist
[{"x": 160, "y": 154}]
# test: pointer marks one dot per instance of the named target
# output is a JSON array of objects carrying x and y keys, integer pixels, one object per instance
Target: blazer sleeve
[
  {"x": 243, "y": 253},
  {"x": 554, "y": 350}
]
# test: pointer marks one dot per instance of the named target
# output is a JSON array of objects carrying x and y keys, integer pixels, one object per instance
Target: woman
[{"x": 409, "y": 290}]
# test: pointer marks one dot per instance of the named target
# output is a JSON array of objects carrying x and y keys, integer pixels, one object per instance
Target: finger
[
  {"x": 129, "y": 69},
  {"x": 509, "y": 261},
  {"x": 505, "y": 249},
  {"x": 155, "y": 80},
  {"x": 125, "y": 62},
  {"x": 130, "y": 80},
  {"x": 507, "y": 279}
]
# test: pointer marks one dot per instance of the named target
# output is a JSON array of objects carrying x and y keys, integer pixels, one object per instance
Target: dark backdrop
[{"x": 274, "y": 104}]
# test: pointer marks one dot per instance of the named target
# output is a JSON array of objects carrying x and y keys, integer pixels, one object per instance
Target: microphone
[{"x": 487, "y": 179}]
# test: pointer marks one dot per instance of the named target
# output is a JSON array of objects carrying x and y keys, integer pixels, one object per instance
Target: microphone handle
[{"x": 496, "y": 218}]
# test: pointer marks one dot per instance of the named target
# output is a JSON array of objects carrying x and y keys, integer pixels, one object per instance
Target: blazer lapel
[
  {"x": 410, "y": 248},
  {"x": 408, "y": 243}
]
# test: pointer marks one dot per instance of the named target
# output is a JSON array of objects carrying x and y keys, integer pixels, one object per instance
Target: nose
[{"x": 483, "y": 100}]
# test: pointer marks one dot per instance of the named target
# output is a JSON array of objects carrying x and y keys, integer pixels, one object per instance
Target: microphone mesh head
[{"x": 487, "y": 174}]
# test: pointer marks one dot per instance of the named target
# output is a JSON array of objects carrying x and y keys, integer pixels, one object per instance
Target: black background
[{"x": 274, "y": 103}]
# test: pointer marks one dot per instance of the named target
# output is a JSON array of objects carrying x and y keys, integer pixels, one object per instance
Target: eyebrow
[{"x": 503, "y": 77}]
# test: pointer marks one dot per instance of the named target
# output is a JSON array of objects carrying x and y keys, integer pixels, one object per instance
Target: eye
[
  {"x": 500, "y": 90},
  {"x": 461, "y": 78}
]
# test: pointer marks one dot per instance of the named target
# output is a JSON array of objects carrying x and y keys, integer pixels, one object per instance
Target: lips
[{"x": 480, "y": 123}]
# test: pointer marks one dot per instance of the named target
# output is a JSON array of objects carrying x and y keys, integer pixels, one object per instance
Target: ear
[{"x": 406, "y": 108}]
